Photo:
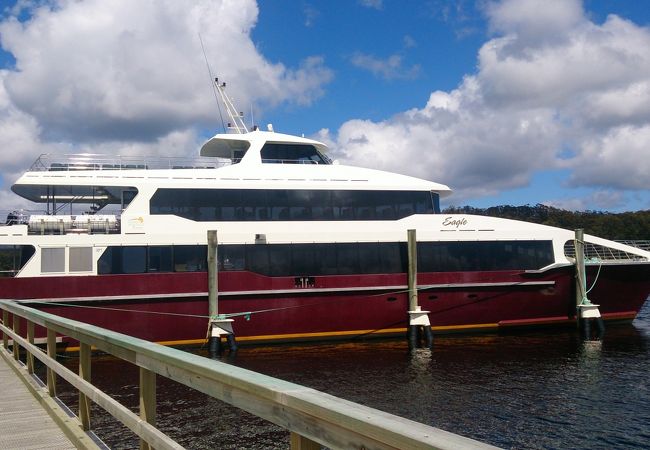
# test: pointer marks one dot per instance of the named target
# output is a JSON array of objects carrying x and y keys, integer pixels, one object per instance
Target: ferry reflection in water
[{"x": 543, "y": 390}]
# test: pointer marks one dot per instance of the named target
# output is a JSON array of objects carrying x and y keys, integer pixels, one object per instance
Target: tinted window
[
  {"x": 160, "y": 258},
  {"x": 134, "y": 259},
  {"x": 291, "y": 204},
  {"x": 13, "y": 258},
  {"x": 480, "y": 256},
  {"x": 190, "y": 258},
  {"x": 291, "y": 154}
]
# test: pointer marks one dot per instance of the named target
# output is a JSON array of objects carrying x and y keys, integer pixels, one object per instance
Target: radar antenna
[{"x": 236, "y": 124}]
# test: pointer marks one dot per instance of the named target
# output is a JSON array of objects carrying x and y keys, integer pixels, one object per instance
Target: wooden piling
[
  {"x": 581, "y": 282},
  {"x": 213, "y": 283},
  {"x": 412, "y": 270},
  {"x": 213, "y": 288}
]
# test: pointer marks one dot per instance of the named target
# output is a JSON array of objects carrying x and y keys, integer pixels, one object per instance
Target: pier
[
  {"x": 24, "y": 423},
  {"x": 313, "y": 418}
]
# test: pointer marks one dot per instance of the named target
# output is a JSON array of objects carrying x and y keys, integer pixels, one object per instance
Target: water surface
[{"x": 543, "y": 389}]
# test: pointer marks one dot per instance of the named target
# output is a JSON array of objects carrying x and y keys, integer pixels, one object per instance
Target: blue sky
[{"x": 506, "y": 101}]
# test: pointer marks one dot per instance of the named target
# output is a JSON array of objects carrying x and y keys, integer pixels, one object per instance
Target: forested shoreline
[{"x": 617, "y": 226}]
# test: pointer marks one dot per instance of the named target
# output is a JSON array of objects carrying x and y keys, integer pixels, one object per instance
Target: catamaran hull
[{"x": 173, "y": 308}]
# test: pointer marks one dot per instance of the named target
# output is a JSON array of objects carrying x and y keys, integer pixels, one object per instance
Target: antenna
[
  {"x": 236, "y": 124},
  {"x": 207, "y": 64}
]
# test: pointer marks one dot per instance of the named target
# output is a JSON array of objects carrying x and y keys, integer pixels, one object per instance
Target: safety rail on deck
[
  {"x": 642, "y": 244},
  {"x": 596, "y": 252},
  {"x": 50, "y": 162},
  {"x": 312, "y": 417}
]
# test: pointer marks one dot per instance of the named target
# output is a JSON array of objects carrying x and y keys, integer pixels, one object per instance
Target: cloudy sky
[{"x": 506, "y": 101}]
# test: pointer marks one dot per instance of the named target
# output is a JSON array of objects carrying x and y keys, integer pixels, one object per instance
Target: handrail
[
  {"x": 87, "y": 161},
  {"x": 311, "y": 416}
]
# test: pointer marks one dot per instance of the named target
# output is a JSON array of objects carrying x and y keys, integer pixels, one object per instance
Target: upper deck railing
[
  {"x": 598, "y": 253},
  {"x": 50, "y": 162}
]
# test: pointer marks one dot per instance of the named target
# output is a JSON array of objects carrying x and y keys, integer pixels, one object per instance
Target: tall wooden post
[
  {"x": 51, "y": 352},
  {"x": 298, "y": 442},
  {"x": 418, "y": 319},
  {"x": 412, "y": 251},
  {"x": 147, "y": 401},
  {"x": 16, "y": 328},
  {"x": 30, "y": 339},
  {"x": 586, "y": 312},
  {"x": 213, "y": 287},
  {"x": 412, "y": 270},
  {"x": 5, "y": 322},
  {"x": 581, "y": 282},
  {"x": 84, "y": 372}
]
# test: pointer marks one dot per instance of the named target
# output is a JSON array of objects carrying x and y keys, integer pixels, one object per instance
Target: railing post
[
  {"x": 5, "y": 322},
  {"x": 84, "y": 372},
  {"x": 298, "y": 442},
  {"x": 30, "y": 339},
  {"x": 51, "y": 352},
  {"x": 16, "y": 327},
  {"x": 147, "y": 401}
]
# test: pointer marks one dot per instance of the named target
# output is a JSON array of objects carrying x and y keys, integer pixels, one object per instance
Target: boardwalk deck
[{"x": 24, "y": 423}]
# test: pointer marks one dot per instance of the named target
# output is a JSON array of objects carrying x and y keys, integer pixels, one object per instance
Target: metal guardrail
[
  {"x": 51, "y": 162},
  {"x": 598, "y": 252},
  {"x": 313, "y": 418},
  {"x": 642, "y": 244}
]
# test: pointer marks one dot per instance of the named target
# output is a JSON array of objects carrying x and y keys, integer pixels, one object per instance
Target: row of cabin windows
[
  {"x": 330, "y": 259},
  {"x": 207, "y": 205}
]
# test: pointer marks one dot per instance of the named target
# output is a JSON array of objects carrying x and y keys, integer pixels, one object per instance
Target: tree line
[{"x": 614, "y": 226}]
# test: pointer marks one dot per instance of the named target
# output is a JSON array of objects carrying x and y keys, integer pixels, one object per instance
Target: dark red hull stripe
[{"x": 334, "y": 306}]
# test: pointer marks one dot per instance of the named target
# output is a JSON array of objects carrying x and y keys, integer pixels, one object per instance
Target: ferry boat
[{"x": 308, "y": 248}]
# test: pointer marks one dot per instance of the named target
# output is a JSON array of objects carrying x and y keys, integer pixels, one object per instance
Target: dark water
[{"x": 536, "y": 390}]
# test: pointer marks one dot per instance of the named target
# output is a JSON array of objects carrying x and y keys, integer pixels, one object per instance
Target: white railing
[{"x": 50, "y": 162}]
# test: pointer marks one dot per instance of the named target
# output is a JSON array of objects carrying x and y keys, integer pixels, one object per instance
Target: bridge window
[{"x": 292, "y": 154}]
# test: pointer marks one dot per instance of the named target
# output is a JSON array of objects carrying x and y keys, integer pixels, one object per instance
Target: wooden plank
[
  {"x": 5, "y": 321},
  {"x": 16, "y": 326},
  {"x": 297, "y": 442},
  {"x": 51, "y": 353},
  {"x": 30, "y": 339},
  {"x": 147, "y": 401},
  {"x": 25, "y": 424},
  {"x": 151, "y": 434},
  {"x": 84, "y": 373}
]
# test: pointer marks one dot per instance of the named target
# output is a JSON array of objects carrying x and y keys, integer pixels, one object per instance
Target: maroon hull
[{"x": 159, "y": 307}]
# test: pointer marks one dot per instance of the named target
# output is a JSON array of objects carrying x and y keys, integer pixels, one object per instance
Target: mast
[{"x": 236, "y": 124}]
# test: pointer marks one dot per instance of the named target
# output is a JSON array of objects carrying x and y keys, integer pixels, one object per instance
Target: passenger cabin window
[
  {"x": 245, "y": 205},
  {"x": 13, "y": 258},
  {"x": 53, "y": 260},
  {"x": 340, "y": 258},
  {"x": 292, "y": 154}
]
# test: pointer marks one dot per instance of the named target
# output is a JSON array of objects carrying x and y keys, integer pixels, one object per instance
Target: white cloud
[
  {"x": 550, "y": 83},
  {"x": 596, "y": 201},
  {"x": 103, "y": 69},
  {"x": 124, "y": 77},
  {"x": 375, "y": 4},
  {"x": 390, "y": 68}
]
